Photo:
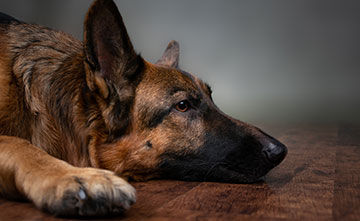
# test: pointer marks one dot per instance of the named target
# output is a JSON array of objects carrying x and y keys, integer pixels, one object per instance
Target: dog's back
[
  {"x": 13, "y": 118},
  {"x": 31, "y": 59}
]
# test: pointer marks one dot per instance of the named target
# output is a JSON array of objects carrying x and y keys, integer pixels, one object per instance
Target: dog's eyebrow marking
[
  {"x": 175, "y": 90},
  {"x": 157, "y": 117}
]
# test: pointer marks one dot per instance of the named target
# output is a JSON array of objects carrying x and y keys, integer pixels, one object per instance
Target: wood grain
[{"x": 319, "y": 179}]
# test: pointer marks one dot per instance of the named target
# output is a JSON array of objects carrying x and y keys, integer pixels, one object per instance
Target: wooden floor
[{"x": 320, "y": 178}]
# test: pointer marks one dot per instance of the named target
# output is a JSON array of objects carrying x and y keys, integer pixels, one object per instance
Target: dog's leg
[{"x": 56, "y": 186}]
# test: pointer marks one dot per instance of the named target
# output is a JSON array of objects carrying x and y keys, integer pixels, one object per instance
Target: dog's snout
[{"x": 274, "y": 151}]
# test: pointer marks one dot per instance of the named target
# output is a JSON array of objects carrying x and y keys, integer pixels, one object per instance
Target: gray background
[{"x": 267, "y": 61}]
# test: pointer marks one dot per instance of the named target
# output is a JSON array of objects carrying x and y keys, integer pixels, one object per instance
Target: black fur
[{"x": 7, "y": 19}]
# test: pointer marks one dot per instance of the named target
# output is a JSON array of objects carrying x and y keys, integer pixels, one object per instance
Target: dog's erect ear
[
  {"x": 170, "y": 57},
  {"x": 109, "y": 54}
]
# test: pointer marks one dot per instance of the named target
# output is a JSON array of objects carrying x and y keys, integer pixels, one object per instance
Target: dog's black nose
[{"x": 275, "y": 151}]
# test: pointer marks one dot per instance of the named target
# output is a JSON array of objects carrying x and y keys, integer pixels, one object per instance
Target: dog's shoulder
[{"x": 7, "y": 19}]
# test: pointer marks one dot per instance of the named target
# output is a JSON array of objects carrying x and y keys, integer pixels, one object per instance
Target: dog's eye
[{"x": 182, "y": 106}]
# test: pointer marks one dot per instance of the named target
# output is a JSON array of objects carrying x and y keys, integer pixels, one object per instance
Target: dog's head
[{"x": 161, "y": 121}]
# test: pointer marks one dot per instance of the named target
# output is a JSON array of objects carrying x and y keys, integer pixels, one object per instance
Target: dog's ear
[
  {"x": 170, "y": 57},
  {"x": 109, "y": 54}
]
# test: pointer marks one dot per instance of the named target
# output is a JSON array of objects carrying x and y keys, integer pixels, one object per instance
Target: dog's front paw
[{"x": 85, "y": 192}]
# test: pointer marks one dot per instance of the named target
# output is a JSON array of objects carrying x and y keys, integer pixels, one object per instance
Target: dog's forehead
[
  {"x": 170, "y": 79},
  {"x": 201, "y": 84}
]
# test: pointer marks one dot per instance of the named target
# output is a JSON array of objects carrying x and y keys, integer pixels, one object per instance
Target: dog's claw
[{"x": 82, "y": 194}]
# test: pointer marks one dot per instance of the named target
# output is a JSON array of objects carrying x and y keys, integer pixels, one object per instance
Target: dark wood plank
[
  {"x": 349, "y": 135},
  {"x": 10, "y": 210},
  {"x": 347, "y": 179},
  {"x": 154, "y": 194}
]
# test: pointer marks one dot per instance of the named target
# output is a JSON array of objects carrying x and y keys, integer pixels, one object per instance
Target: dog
[{"x": 79, "y": 119}]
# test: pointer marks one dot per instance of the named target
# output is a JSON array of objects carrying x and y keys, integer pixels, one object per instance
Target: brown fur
[{"x": 66, "y": 106}]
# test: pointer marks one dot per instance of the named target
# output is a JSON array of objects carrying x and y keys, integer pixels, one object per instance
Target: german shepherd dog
[{"x": 78, "y": 119}]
